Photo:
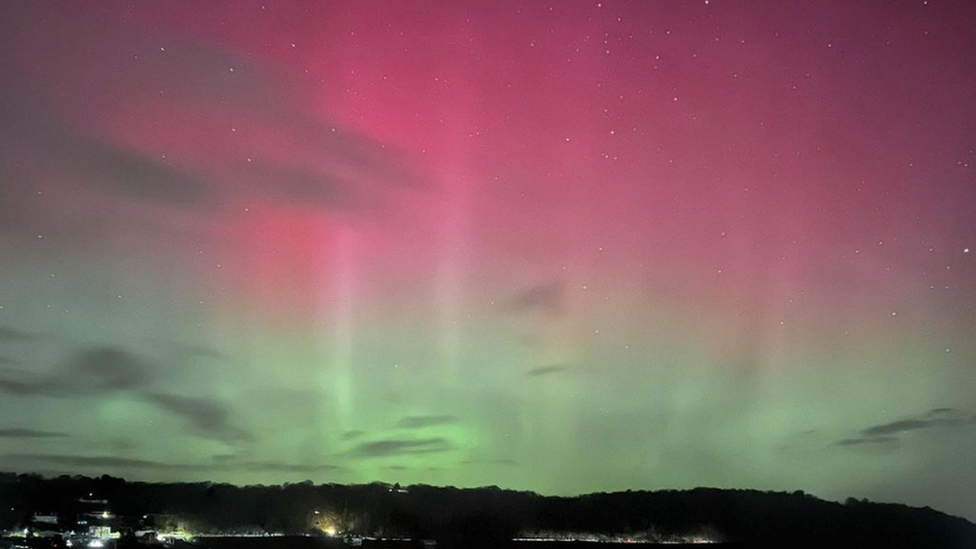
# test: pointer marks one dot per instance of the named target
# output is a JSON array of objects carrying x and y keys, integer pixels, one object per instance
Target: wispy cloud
[
  {"x": 888, "y": 434},
  {"x": 352, "y": 435},
  {"x": 868, "y": 441},
  {"x": 207, "y": 417},
  {"x": 328, "y": 165},
  {"x": 546, "y": 370},
  {"x": 398, "y": 447},
  {"x": 24, "y": 384},
  {"x": 548, "y": 297},
  {"x": 9, "y": 334},
  {"x": 90, "y": 371},
  {"x": 87, "y": 462},
  {"x": 21, "y": 433},
  {"x": 419, "y": 422},
  {"x": 102, "y": 370},
  {"x": 103, "y": 462},
  {"x": 938, "y": 417},
  {"x": 190, "y": 351},
  {"x": 507, "y": 462},
  {"x": 285, "y": 467}
]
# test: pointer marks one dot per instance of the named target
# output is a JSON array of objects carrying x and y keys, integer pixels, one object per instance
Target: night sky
[{"x": 557, "y": 246}]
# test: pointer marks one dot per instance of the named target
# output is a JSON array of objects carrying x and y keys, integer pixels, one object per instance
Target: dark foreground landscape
[{"x": 107, "y": 511}]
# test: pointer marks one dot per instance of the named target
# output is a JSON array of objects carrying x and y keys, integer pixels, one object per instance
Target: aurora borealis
[{"x": 556, "y": 246}]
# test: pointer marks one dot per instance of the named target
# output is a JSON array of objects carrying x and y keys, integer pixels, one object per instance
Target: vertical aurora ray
[{"x": 338, "y": 373}]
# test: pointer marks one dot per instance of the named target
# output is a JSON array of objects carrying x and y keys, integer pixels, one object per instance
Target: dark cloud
[
  {"x": 13, "y": 335},
  {"x": 419, "y": 422},
  {"x": 90, "y": 371},
  {"x": 237, "y": 462},
  {"x": 352, "y": 435},
  {"x": 868, "y": 441},
  {"x": 304, "y": 185},
  {"x": 20, "y": 383},
  {"x": 198, "y": 351},
  {"x": 905, "y": 425},
  {"x": 94, "y": 462},
  {"x": 103, "y": 369},
  {"x": 117, "y": 462},
  {"x": 11, "y": 214},
  {"x": 122, "y": 445},
  {"x": 509, "y": 462},
  {"x": 35, "y": 133},
  {"x": 15, "y": 432},
  {"x": 207, "y": 417},
  {"x": 546, "y": 370},
  {"x": 896, "y": 427},
  {"x": 548, "y": 298},
  {"x": 49, "y": 136},
  {"x": 948, "y": 411},
  {"x": 341, "y": 170},
  {"x": 22, "y": 386},
  {"x": 383, "y": 448},
  {"x": 359, "y": 157},
  {"x": 128, "y": 173},
  {"x": 285, "y": 467},
  {"x": 888, "y": 433}
]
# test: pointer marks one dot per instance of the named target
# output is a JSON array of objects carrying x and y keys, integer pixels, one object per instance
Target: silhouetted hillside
[{"x": 490, "y": 516}]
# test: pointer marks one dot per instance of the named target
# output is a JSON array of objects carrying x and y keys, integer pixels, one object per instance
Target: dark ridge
[{"x": 490, "y": 516}]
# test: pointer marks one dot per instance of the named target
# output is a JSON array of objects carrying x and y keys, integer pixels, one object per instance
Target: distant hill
[{"x": 491, "y": 516}]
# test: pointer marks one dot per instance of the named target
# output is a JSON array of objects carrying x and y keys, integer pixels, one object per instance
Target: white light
[{"x": 96, "y": 543}]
